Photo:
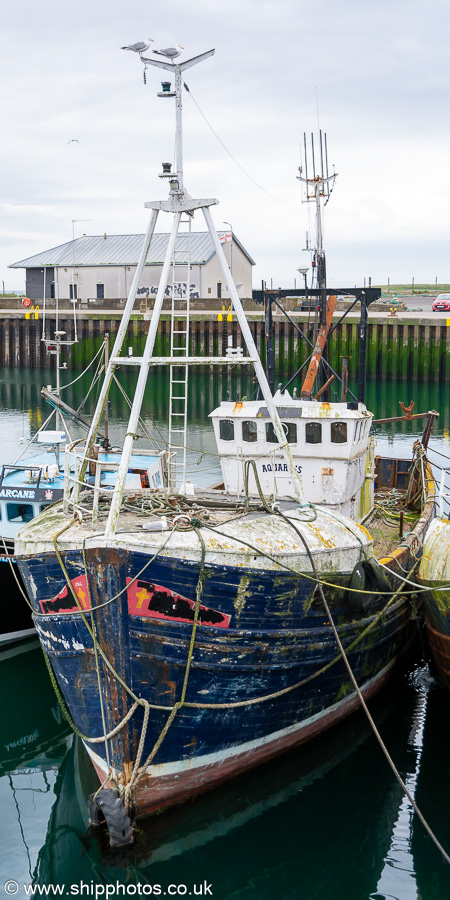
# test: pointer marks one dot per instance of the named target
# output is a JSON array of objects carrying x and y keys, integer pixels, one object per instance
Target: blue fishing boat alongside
[
  {"x": 25, "y": 490},
  {"x": 36, "y": 480},
  {"x": 191, "y": 633}
]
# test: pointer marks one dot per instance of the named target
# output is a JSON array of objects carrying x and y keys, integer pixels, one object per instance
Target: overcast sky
[{"x": 374, "y": 77}]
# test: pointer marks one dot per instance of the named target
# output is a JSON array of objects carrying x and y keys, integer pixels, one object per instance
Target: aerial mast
[{"x": 318, "y": 189}]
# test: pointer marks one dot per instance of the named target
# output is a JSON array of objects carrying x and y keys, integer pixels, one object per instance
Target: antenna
[
  {"x": 318, "y": 190},
  {"x": 306, "y": 157},
  {"x": 321, "y": 151}
]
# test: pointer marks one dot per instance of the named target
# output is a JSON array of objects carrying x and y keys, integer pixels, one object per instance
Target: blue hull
[{"x": 269, "y": 638}]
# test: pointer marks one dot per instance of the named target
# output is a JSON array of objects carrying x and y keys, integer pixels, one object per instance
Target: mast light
[
  {"x": 166, "y": 90},
  {"x": 166, "y": 171}
]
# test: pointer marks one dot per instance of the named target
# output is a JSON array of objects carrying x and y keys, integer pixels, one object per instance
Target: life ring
[
  {"x": 367, "y": 576},
  {"x": 26, "y": 301}
]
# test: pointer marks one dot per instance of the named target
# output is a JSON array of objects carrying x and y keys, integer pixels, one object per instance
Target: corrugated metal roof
[{"x": 124, "y": 250}]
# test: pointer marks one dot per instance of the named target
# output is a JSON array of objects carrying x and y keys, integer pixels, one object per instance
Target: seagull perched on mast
[
  {"x": 140, "y": 46},
  {"x": 170, "y": 52}
]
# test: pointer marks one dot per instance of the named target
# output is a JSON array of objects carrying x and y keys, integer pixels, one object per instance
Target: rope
[
  {"x": 99, "y": 351},
  {"x": 247, "y": 464},
  {"x": 289, "y": 205},
  {"x": 366, "y": 710},
  {"x": 138, "y": 773},
  {"x": 97, "y": 667},
  {"x": 11, "y": 565},
  {"x": 309, "y": 678},
  {"x": 68, "y": 717},
  {"x": 96, "y": 376}
]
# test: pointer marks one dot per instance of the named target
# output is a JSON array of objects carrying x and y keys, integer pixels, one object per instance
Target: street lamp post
[
  {"x": 304, "y": 272},
  {"x": 231, "y": 248}
]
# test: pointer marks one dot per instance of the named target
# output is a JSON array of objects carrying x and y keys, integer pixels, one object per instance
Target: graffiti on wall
[{"x": 180, "y": 290}]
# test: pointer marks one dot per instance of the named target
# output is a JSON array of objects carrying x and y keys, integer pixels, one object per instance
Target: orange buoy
[{"x": 26, "y": 301}]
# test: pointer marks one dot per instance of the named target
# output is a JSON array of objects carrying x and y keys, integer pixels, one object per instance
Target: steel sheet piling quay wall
[{"x": 397, "y": 349}]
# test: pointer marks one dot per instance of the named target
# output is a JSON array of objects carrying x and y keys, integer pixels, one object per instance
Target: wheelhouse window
[
  {"x": 339, "y": 432},
  {"x": 249, "y": 431},
  {"x": 19, "y": 512},
  {"x": 289, "y": 428},
  {"x": 226, "y": 430},
  {"x": 313, "y": 433}
]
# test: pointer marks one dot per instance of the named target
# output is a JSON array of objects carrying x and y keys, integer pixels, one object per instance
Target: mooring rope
[
  {"x": 138, "y": 773},
  {"x": 11, "y": 565},
  {"x": 366, "y": 709}
]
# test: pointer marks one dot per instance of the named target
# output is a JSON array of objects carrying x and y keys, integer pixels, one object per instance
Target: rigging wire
[{"x": 277, "y": 200}]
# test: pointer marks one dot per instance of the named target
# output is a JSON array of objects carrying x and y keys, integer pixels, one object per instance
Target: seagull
[
  {"x": 170, "y": 52},
  {"x": 140, "y": 46},
  {"x": 73, "y": 141}
]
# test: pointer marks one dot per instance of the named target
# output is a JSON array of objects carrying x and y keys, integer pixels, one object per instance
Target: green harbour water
[{"x": 327, "y": 821}]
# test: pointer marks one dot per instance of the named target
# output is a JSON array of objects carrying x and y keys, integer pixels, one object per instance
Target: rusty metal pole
[
  {"x": 268, "y": 325},
  {"x": 429, "y": 427},
  {"x": 344, "y": 378},
  {"x": 308, "y": 384},
  {"x": 362, "y": 358}
]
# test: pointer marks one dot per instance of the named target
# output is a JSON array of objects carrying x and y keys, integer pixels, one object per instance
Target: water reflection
[
  {"x": 20, "y": 397},
  {"x": 34, "y": 738},
  {"x": 320, "y": 822}
]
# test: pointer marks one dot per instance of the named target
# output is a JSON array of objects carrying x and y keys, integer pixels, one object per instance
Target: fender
[{"x": 366, "y": 576}]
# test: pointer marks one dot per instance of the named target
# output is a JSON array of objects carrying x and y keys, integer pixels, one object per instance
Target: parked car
[{"x": 442, "y": 302}]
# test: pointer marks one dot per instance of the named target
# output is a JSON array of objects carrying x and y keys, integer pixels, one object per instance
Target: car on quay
[{"x": 442, "y": 302}]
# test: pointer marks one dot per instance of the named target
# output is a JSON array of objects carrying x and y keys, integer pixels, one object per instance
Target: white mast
[
  {"x": 179, "y": 201},
  {"x": 318, "y": 190}
]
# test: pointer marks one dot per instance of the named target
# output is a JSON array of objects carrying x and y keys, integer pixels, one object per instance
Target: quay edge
[{"x": 405, "y": 346}]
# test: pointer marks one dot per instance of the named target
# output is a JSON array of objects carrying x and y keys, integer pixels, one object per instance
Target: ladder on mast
[{"x": 179, "y": 347}]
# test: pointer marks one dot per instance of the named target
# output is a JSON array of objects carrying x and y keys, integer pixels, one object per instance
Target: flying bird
[
  {"x": 170, "y": 52},
  {"x": 73, "y": 141},
  {"x": 140, "y": 46}
]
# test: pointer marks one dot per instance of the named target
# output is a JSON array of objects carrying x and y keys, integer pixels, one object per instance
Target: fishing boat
[
  {"x": 36, "y": 480},
  {"x": 194, "y": 633},
  {"x": 27, "y": 486}
]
